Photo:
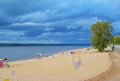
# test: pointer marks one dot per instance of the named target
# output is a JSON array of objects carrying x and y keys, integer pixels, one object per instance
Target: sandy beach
[
  {"x": 114, "y": 74},
  {"x": 60, "y": 67}
]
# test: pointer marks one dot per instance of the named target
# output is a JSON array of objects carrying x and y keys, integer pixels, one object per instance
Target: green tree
[
  {"x": 116, "y": 40},
  {"x": 101, "y": 35}
]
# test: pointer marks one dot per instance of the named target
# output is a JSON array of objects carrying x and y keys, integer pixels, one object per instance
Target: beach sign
[{"x": 6, "y": 79}]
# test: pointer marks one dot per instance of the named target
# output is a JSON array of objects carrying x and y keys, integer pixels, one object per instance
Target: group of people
[
  {"x": 76, "y": 60},
  {"x": 2, "y": 64}
]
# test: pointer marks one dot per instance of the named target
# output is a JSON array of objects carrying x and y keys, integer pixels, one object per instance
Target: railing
[{"x": 116, "y": 48}]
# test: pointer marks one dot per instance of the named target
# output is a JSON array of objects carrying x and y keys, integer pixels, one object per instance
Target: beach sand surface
[
  {"x": 115, "y": 70},
  {"x": 57, "y": 68}
]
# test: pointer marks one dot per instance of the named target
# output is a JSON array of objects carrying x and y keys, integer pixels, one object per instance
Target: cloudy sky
[{"x": 54, "y": 21}]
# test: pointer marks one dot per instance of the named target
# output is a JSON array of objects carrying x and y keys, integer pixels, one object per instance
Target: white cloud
[
  {"x": 56, "y": 34},
  {"x": 70, "y": 22},
  {"x": 33, "y": 17},
  {"x": 32, "y": 41},
  {"x": 26, "y": 24},
  {"x": 71, "y": 27},
  {"x": 50, "y": 41},
  {"x": 86, "y": 21},
  {"x": 11, "y": 33},
  {"x": 47, "y": 29}
]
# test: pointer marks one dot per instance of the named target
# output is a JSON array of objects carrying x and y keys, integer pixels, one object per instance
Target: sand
[
  {"x": 114, "y": 75},
  {"x": 59, "y": 67}
]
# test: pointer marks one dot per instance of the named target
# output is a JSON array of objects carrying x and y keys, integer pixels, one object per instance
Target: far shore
[{"x": 37, "y": 44}]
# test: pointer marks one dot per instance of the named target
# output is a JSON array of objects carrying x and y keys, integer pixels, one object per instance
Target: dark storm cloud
[{"x": 68, "y": 18}]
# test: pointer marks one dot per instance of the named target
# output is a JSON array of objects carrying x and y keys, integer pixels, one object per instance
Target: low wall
[{"x": 116, "y": 48}]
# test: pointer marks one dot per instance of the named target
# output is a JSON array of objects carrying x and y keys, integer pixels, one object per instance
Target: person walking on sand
[{"x": 76, "y": 61}]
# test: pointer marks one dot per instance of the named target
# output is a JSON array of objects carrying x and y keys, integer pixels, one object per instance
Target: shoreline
[
  {"x": 25, "y": 52},
  {"x": 49, "y": 55}
]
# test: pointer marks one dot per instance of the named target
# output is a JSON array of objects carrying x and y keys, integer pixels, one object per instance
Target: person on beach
[
  {"x": 113, "y": 47},
  {"x": 4, "y": 63},
  {"x": 1, "y": 63},
  {"x": 76, "y": 61}
]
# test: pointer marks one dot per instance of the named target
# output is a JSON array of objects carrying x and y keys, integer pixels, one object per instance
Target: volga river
[{"x": 27, "y": 52}]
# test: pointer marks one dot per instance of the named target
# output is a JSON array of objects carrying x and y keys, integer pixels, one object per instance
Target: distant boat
[{"x": 38, "y": 54}]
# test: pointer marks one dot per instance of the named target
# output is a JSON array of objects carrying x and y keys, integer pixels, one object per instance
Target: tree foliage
[
  {"x": 101, "y": 35},
  {"x": 116, "y": 40}
]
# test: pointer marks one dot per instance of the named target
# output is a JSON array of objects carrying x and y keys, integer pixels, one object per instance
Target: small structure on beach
[{"x": 38, "y": 55}]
